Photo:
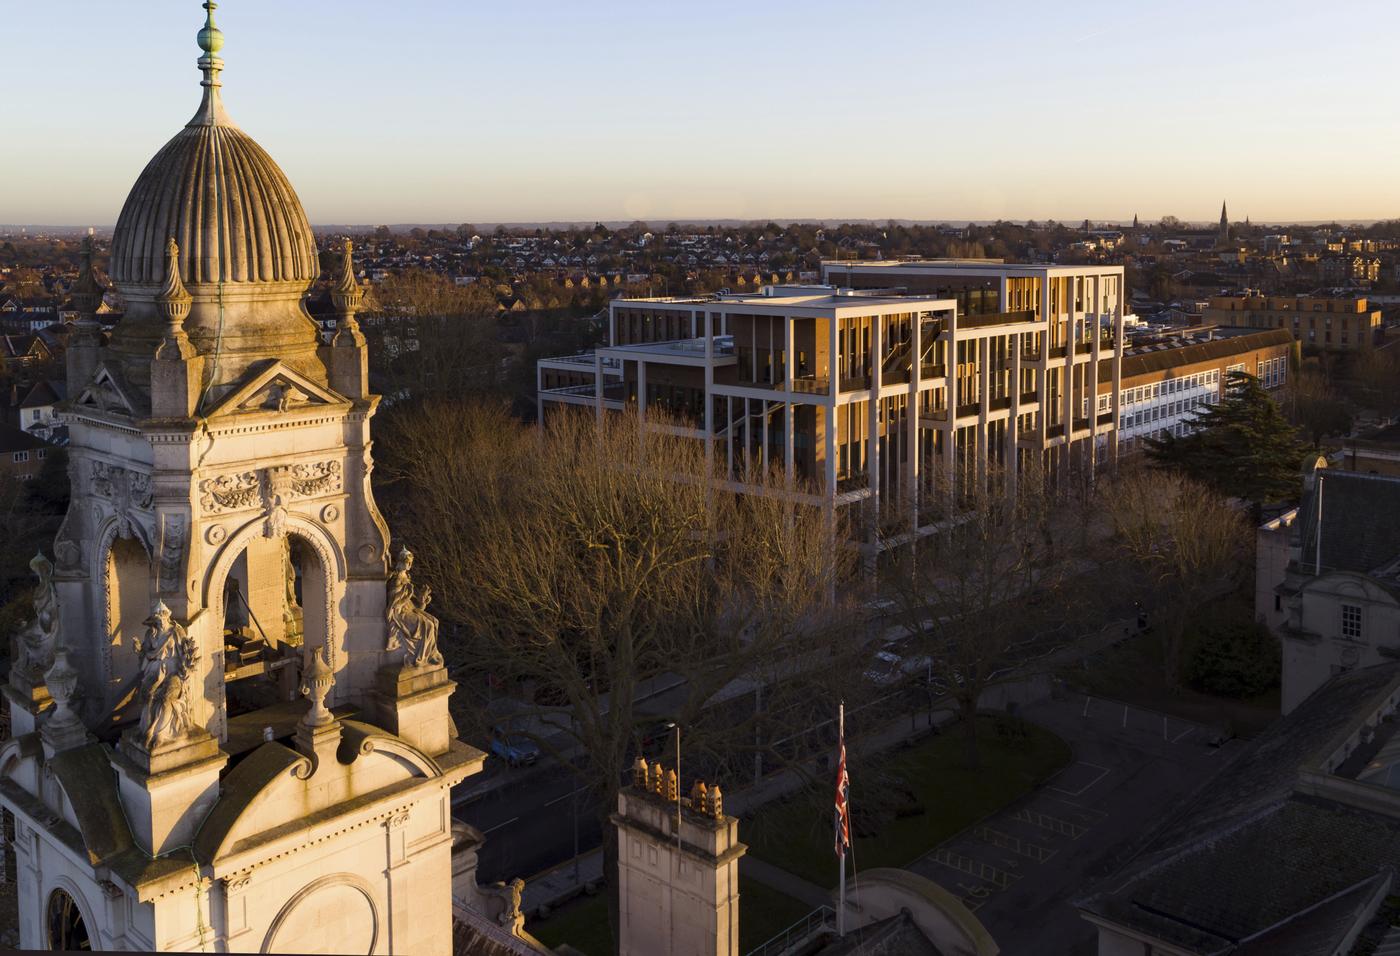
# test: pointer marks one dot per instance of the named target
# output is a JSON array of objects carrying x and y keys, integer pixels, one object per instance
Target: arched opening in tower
[
  {"x": 273, "y": 605},
  {"x": 129, "y": 596}
]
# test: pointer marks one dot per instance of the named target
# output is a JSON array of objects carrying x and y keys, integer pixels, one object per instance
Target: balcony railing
[
  {"x": 812, "y": 384},
  {"x": 855, "y": 383},
  {"x": 994, "y": 320}
]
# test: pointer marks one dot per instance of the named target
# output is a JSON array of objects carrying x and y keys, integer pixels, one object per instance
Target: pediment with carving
[
  {"x": 107, "y": 393},
  {"x": 275, "y": 387}
]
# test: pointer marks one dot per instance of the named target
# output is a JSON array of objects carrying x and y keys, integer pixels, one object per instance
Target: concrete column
[
  {"x": 1091, "y": 385},
  {"x": 709, "y": 399},
  {"x": 789, "y": 365},
  {"x": 641, "y": 391},
  {"x": 598, "y": 382},
  {"x": 729, "y": 437},
  {"x": 748, "y": 441},
  {"x": 830, "y": 490},
  {"x": 984, "y": 397},
  {"x": 789, "y": 454},
  {"x": 1117, "y": 371},
  {"x": 1013, "y": 423},
  {"x": 872, "y": 438},
  {"x": 911, "y": 414},
  {"x": 1067, "y": 381},
  {"x": 763, "y": 437}
]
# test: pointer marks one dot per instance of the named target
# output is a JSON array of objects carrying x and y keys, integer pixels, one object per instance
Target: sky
[{"x": 450, "y": 111}]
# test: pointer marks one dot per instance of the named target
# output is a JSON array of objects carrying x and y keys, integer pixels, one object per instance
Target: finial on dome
[
  {"x": 211, "y": 38},
  {"x": 174, "y": 302},
  {"x": 346, "y": 294},
  {"x": 211, "y": 41},
  {"x": 87, "y": 293},
  {"x": 173, "y": 289}
]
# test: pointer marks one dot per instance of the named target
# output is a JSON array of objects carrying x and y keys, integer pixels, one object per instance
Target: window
[
  {"x": 21, "y": 456},
  {"x": 1351, "y": 622}
]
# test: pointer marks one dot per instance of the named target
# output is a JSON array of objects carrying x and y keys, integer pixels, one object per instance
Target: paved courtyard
[{"x": 1020, "y": 868}]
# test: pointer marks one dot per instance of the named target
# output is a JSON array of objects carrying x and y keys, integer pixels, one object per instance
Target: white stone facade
[{"x": 222, "y": 558}]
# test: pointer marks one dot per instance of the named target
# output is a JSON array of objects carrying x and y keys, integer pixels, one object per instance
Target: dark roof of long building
[
  {"x": 1250, "y": 859},
  {"x": 1360, "y": 521},
  {"x": 1183, "y": 355}
]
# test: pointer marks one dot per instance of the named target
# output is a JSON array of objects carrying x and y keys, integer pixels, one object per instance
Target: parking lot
[{"x": 1020, "y": 868}]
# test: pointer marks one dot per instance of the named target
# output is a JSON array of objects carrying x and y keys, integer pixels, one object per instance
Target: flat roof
[
  {"x": 821, "y": 299},
  {"x": 964, "y": 266}
]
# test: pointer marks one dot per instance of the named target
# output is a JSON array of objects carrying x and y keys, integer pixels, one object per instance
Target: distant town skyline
[{"x": 439, "y": 113}]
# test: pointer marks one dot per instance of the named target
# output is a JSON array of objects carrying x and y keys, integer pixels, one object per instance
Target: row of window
[
  {"x": 21, "y": 457},
  {"x": 1172, "y": 386},
  {"x": 1155, "y": 413}
]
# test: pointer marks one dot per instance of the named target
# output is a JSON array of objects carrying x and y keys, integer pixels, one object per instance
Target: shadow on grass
[{"x": 906, "y": 802}]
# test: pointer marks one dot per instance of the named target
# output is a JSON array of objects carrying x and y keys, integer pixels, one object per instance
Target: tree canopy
[{"x": 1242, "y": 446}]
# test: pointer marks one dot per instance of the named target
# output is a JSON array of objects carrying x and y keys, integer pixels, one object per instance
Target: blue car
[{"x": 515, "y": 749}]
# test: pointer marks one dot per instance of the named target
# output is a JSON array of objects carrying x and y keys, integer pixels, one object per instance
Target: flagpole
[{"x": 841, "y": 895}]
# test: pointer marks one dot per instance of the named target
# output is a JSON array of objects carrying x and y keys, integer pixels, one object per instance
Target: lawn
[
  {"x": 906, "y": 802},
  {"x": 583, "y": 922},
  {"x": 1133, "y": 672}
]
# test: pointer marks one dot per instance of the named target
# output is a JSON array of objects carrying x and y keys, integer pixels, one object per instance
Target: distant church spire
[{"x": 1224, "y": 222}]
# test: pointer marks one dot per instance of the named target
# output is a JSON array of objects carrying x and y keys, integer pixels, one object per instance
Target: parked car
[
  {"x": 513, "y": 747},
  {"x": 656, "y": 735},
  {"x": 891, "y": 667}
]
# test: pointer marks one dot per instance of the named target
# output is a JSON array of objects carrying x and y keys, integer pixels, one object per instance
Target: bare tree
[
  {"x": 1188, "y": 543},
  {"x": 595, "y": 557},
  {"x": 431, "y": 336},
  {"x": 983, "y": 596}
]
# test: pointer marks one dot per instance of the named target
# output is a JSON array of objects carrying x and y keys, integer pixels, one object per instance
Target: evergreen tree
[{"x": 1242, "y": 446}]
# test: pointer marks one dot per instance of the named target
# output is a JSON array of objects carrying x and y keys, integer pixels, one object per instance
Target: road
[{"x": 528, "y": 821}]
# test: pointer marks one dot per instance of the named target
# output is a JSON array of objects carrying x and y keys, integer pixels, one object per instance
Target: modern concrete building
[
  {"x": 1329, "y": 323},
  {"x": 889, "y": 386}
]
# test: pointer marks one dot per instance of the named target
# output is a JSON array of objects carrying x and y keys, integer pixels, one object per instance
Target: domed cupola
[{"x": 248, "y": 255}]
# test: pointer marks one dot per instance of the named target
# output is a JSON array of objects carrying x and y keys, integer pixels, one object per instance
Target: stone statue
[
  {"x": 292, "y": 616},
  {"x": 410, "y": 625},
  {"x": 511, "y": 918},
  {"x": 167, "y": 654},
  {"x": 37, "y": 641}
]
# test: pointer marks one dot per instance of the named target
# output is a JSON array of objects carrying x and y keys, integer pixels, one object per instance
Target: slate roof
[
  {"x": 1183, "y": 355},
  {"x": 45, "y": 393},
  {"x": 1250, "y": 859},
  {"x": 1360, "y": 521}
]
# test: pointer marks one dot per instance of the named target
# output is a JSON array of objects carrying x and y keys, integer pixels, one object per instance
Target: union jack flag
[{"x": 843, "y": 797}]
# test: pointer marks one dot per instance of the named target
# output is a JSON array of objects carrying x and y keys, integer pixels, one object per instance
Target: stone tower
[
  {"x": 230, "y": 721},
  {"x": 678, "y": 868}
]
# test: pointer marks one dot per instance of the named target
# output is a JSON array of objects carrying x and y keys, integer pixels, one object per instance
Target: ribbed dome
[{"x": 222, "y": 198}]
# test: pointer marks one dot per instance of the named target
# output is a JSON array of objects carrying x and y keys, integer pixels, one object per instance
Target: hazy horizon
[{"x": 550, "y": 112}]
